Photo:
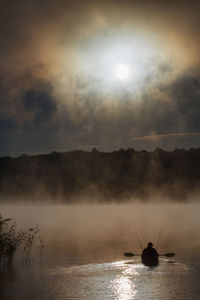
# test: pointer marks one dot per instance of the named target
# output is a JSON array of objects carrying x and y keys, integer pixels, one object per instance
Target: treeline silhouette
[{"x": 98, "y": 176}]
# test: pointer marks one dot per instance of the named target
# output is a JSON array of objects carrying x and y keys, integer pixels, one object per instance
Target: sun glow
[
  {"x": 122, "y": 72},
  {"x": 115, "y": 65}
]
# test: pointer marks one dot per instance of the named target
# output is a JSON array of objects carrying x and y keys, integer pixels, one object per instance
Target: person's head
[{"x": 150, "y": 245}]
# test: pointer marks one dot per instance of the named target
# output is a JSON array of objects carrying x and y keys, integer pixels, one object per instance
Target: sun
[{"x": 122, "y": 72}]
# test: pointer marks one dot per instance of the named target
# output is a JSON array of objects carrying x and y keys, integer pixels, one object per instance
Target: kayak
[{"x": 150, "y": 260}]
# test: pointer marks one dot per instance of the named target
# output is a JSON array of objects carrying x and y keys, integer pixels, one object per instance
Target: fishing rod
[
  {"x": 138, "y": 239},
  {"x": 160, "y": 234}
]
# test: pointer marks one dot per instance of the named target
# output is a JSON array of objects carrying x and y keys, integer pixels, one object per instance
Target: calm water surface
[
  {"x": 88, "y": 244},
  {"x": 57, "y": 277}
]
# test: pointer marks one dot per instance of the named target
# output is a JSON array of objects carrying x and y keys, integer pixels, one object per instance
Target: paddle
[
  {"x": 167, "y": 254},
  {"x": 129, "y": 254}
]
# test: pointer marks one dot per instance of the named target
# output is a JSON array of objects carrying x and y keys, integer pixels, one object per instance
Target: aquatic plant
[{"x": 11, "y": 239}]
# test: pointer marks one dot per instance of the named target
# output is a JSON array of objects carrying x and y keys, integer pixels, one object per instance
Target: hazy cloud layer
[{"x": 55, "y": 90}]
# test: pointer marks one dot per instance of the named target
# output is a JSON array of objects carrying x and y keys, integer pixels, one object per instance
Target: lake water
[
  {"x": 83, "y": 257},
  {"x": 59, "y": 279}
]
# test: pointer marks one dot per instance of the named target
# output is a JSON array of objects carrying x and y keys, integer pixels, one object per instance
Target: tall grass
[{"x": 12, "y": 239}]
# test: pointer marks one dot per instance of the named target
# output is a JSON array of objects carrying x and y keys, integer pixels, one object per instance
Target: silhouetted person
[{"x": 150, "y": 255}]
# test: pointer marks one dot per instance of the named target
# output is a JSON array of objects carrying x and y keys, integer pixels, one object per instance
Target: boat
[{"x": 150, "y": 260}]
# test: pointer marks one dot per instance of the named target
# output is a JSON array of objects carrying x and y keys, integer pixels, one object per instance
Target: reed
[{"x": 11, "y": 239}]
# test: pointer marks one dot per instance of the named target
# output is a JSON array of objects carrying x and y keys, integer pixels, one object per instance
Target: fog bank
[{"x": 111, "y": 229}]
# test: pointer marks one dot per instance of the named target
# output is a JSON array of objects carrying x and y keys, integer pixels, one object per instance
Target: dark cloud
[
  {"x": 41, "y": 104},
  {"x": 186, "y": 91},
  {"x": 173, "y": 108},
  {"x": 7, "y": 130}
]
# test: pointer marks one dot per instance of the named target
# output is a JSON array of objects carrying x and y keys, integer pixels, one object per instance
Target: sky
[{"x": 79, "y": 74}]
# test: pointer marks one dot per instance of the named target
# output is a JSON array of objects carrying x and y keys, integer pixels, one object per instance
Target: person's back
[{"x": 149, "y": 255}]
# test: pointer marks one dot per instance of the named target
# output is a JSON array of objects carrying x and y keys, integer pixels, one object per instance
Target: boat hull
[{"x": 150, "y": 261}]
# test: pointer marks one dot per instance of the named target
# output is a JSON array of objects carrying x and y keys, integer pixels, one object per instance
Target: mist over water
[{"x": 111, "y": 229}]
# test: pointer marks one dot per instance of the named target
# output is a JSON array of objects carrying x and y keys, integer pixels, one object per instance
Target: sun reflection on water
[
  {"x": 124, "y": 288},
  {"x": 124, "y": 285}
]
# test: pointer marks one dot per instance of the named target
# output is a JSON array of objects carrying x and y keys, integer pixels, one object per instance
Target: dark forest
[{"x": 120, "y": 176}]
